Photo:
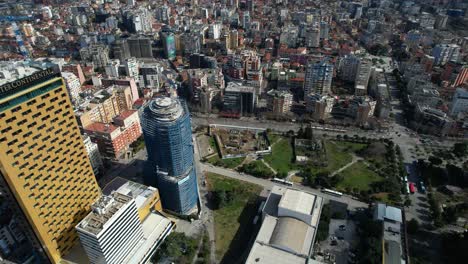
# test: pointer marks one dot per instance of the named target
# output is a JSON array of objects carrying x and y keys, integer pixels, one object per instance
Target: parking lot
[{"x": 340, "y": 240}]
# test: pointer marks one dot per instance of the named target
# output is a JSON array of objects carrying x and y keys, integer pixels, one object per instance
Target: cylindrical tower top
[{"x": 166, "y": 109}]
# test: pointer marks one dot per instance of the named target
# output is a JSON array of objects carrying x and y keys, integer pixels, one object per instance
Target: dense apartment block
[{"x": 114, "y": 139}]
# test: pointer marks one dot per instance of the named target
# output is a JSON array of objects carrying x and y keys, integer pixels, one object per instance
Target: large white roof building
[{"x": 290, "y": 221}]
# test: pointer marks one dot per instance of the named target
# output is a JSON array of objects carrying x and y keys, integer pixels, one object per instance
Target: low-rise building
[
  {"x": 394, "y": 246},
  {"x": 290, "y": 221}
]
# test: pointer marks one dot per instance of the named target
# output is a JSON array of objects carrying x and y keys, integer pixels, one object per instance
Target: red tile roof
[{"x": 101, "y": 127}]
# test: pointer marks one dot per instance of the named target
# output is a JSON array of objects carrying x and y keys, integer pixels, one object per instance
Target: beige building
[
  {"x": 44, "y": 169},
  {"x": 105, "y": 105}
]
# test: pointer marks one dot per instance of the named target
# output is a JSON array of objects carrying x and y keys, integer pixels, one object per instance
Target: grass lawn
[
  {"x": 273, "y": 137},
  {"x": 337, "y": 155},
  {"x": 297, "y": 179},
  {"x": 383, "y": 197},
  {"x": 226, "y": 163},
  {"x": 351, "y": 146},
  {"x": 282, "y": 156},
  {"x": 257, "y": 168},
  {"x": 233, "y": 222},
  {"x": 213, "y": 143},
  {"x": 358, "y": 176}
]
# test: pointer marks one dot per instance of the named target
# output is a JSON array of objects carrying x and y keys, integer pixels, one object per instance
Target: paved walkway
[
  {"x": 355, "y": 159},
  {"x": 268, "y": 165},
  {"x": 267, "y": 184}
]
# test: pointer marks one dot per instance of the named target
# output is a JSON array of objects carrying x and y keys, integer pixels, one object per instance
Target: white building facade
[{"x": 112, "y": 230}]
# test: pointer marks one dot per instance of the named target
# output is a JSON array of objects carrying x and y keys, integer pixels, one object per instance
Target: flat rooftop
[
  {"x": 155, "y": 230},
  {"x": 102, "y": 212},
  {"x": 298, "y": 201},
  {"x": 287, "y": 234},
  {"x": 12, "y": 71},
  {"x": 138, "y": 191}
]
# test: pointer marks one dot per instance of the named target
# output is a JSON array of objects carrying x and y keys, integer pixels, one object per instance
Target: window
[
  {"x": 45, "y": 118},
  {"x": 16, "y": 109},
  {"x": 32, "y": 124},
  {"x": 22, "y": 122},
  {"x": 17, "y": 132},
  {"x": 26, "y": 112},
  {"x": 12, "y": 142},
  {"x": 5, "y": 130},
  {"x": 11, "y": 119}
]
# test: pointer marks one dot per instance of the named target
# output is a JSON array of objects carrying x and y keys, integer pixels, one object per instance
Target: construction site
[{"x": 233, "y": 142}]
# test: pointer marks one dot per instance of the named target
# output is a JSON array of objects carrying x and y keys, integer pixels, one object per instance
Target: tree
[
  {"x": 412, "y": 226},
  {"x": 220, "y": 198},
  {"x": 282, "y": 174},
  {"x": 460, "y": 149},
  {"x": 309, "y": 134},
  {"x": 407, "y": 202},
  {"x": 378, "y": 50},
  {"x": 322, "y": 232},
  {"x": 435, "y": 160}
]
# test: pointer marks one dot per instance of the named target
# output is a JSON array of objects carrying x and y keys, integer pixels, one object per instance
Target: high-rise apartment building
[
  {"x": 170, "y": 166},
  {"x": 169, "y": 45},
  {"x": 363, "y": 75},
  {"x": 73, "y": 85},
  {"x": 460, "y": 102},
  {"x": 279, "y": 102},
  {"x": 318, "y": 78},
  {"x": 44, "y": 168},
  {"x": 93, "y": 154},
  {"x": 98, "y": 54},
  {"x": 444, "y": 53},
  {"x": 123, "y": 227},
  {"x": 114, "y": 139},
  {"x": 140, "y": 47},
  {"x": 348, "y": 67},
  {"x": 112, "y": 230},
  {"x": 239, "y": 99}
]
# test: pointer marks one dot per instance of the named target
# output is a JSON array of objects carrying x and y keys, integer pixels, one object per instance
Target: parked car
[
  {"x": 422, "y": 187},
  {"x": 411, "y": 187}
]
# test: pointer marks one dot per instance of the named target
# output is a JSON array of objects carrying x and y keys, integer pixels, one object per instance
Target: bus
[
  {"x": 285, "y": 182},
  {"x": 332, "y": 192}
]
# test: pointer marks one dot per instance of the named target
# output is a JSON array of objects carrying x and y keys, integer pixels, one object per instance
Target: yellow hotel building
[{"x": 44, "y": 168}]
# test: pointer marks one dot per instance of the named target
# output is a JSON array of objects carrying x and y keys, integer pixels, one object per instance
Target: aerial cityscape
[{"x": 234, "y": 131}]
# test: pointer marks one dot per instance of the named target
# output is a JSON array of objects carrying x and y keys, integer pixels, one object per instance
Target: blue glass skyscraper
[{"x": 170, "y": 165}]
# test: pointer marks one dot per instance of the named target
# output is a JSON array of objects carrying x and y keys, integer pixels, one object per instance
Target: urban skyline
[{"x": 233, "y": 131}]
